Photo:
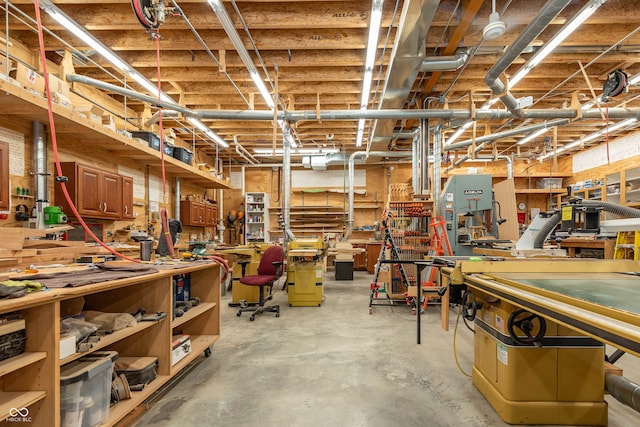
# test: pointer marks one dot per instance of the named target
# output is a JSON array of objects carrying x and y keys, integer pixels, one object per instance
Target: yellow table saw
[{"x": 540, "y": 329}]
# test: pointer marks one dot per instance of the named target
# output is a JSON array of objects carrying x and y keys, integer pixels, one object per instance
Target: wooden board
[
  {"x": 12, "y": 238},
  {"x": 505, "y": 194}
]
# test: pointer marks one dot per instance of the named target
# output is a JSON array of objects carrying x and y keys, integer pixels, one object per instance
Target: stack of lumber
[{"x": 18, "y": 252}]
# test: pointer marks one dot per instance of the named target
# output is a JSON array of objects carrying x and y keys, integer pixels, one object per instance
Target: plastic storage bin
[
  {"x": 151, "y": 138},
  {"x": 549, "y": 183},
  {"x": 85, "y": 390},
  {"x": 182, "y": 154}
]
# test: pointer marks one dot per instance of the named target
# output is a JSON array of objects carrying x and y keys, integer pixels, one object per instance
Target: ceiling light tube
[
  {"x": 257, "y": 80},
  {"x": 370, "y": 59},
  {"x": 54, "y": 12},
  {"x": 592, "y": 136},
  {"x": 301, "y": 151},
  {"x": 532, "y": 136},
  {"x": 558, "y": 38},
  {"x": 457, "y": 133},
  {"x": 360, "y": 133},
  {"x": 208, "y": 132},
  {"x": 61, "y": 18}
]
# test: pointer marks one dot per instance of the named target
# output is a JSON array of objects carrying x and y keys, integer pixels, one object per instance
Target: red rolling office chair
[{"x": 269, "y": 271}]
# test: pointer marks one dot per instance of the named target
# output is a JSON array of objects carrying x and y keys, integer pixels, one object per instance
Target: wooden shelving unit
[
  {"x": 19, "y": 102},
  {"x": 40, "y": 363}
]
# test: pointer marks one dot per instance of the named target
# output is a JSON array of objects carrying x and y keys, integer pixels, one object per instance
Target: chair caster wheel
[
  {"x": 239, "y": 314},
  {"x": 277, "y": 314},
  {"x": 252, "y": 318},
  {"x": 370, "y": 310},
  {"x": 207, "y": 352}
]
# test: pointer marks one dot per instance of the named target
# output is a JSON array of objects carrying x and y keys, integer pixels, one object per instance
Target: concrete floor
[{"x": 335, "y": 366}]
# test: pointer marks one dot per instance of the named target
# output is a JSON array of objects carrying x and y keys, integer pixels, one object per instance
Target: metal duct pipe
[
  {"x": 40, "y": 170},
  {"x": 286, "y": 185},
  {"x": 400, "y": 114},
  {"x": 506, "y": 133},
  {"x": 416, "y": 163},
  {"x": 623, "y": 389},
  {"x": 395, "y": 114},
  {"x": 548, "y": 12},
  {"x": 351, "y": 172},
  {"x": 130, "y": 93},
  {"x": 501, "y": 157},
  {"x": 445, "y": 63},
  {"x": 221, "y": 227},
  {"x": 176, "y": 200},
  {"x": 424, "y": 155},
  {"x": 437, "y": 162}
]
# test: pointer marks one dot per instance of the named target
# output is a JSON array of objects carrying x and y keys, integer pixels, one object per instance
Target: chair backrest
[{"x": 271, "y": 255}]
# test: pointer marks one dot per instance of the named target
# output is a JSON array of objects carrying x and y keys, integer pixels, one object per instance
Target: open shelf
[
  {"x": 199, "y": 343},
  {"x": 16, "y": 101},
  {"x": 122, "y": 408},
  {"x": 540, "y": 190},
  {"x": 20, "y": 361},
  {"x": 18, "y": 399},
  {"x": 110, "y": 339},
  {"x": 193, "y": 313}
]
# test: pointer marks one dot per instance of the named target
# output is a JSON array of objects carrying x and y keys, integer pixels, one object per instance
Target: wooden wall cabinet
[
  {"x": 127, "y": 198},
  {"x": 32, "y": 380},
  {"x": 96, "y": 194},
  {"x": 5, "y": 191},
  {"x": 198, "y": 214}
]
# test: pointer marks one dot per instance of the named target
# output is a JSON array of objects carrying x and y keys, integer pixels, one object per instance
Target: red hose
[{"x": 54, "y": 142}]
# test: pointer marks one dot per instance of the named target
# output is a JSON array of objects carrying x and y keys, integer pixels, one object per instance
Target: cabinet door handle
[
  {"x": 126, "y": 209},
  {"x": 105, "y": 207}
]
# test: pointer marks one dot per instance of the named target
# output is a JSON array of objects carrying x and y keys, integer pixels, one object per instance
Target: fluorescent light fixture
[
  {"x": 299, "y": 151},
  {"x": 262, "y": 88},
  {"x": 142, "y": 81},
  {"x": 83, "y": 35},
  {"x": 558, "y": 38},
  {"x": 360, "y": 133},
  {"x": 634, "y": 79},
  {"x": 370, "y": 59},
  {"x": 374, "y": 31},
  {"x": 457, "y": 133},
  {"x": 595, "y": 135},
  {"x": 208, "y": 132},
  {"x": 532, "y": 136},
  {"x": 230, "y": 29},
  {"x": 77, "y": 30},
  {"x": 488, "y": 104}
]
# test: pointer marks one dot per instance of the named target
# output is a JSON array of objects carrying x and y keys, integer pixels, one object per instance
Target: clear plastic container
[{"x": 85, "y": 390}]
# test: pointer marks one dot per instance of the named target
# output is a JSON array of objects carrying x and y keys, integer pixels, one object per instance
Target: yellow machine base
[
  {"x": 541, "y": 412},
  {"x": 304, "y": 285},
  {"x": 250, "y": 294}
]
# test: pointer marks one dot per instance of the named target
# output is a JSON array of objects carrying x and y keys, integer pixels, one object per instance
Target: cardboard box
[
  {"x": 181, "y": 346},
  {"x": 3, "y": 65},
  {"x": 91, "y": 112},
  {"x": 29, "y": 79},
  {"x": 67, "y": 346},
  {"x": 108, "y": 122}
]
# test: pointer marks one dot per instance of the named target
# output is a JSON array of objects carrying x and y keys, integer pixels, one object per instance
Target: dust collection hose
[
  {"x": 553, "y": 220},
  {"x": 623, "y": 390}
]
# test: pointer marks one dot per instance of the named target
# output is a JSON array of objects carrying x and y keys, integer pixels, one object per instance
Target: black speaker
[{"x": 22, "y": 213}]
